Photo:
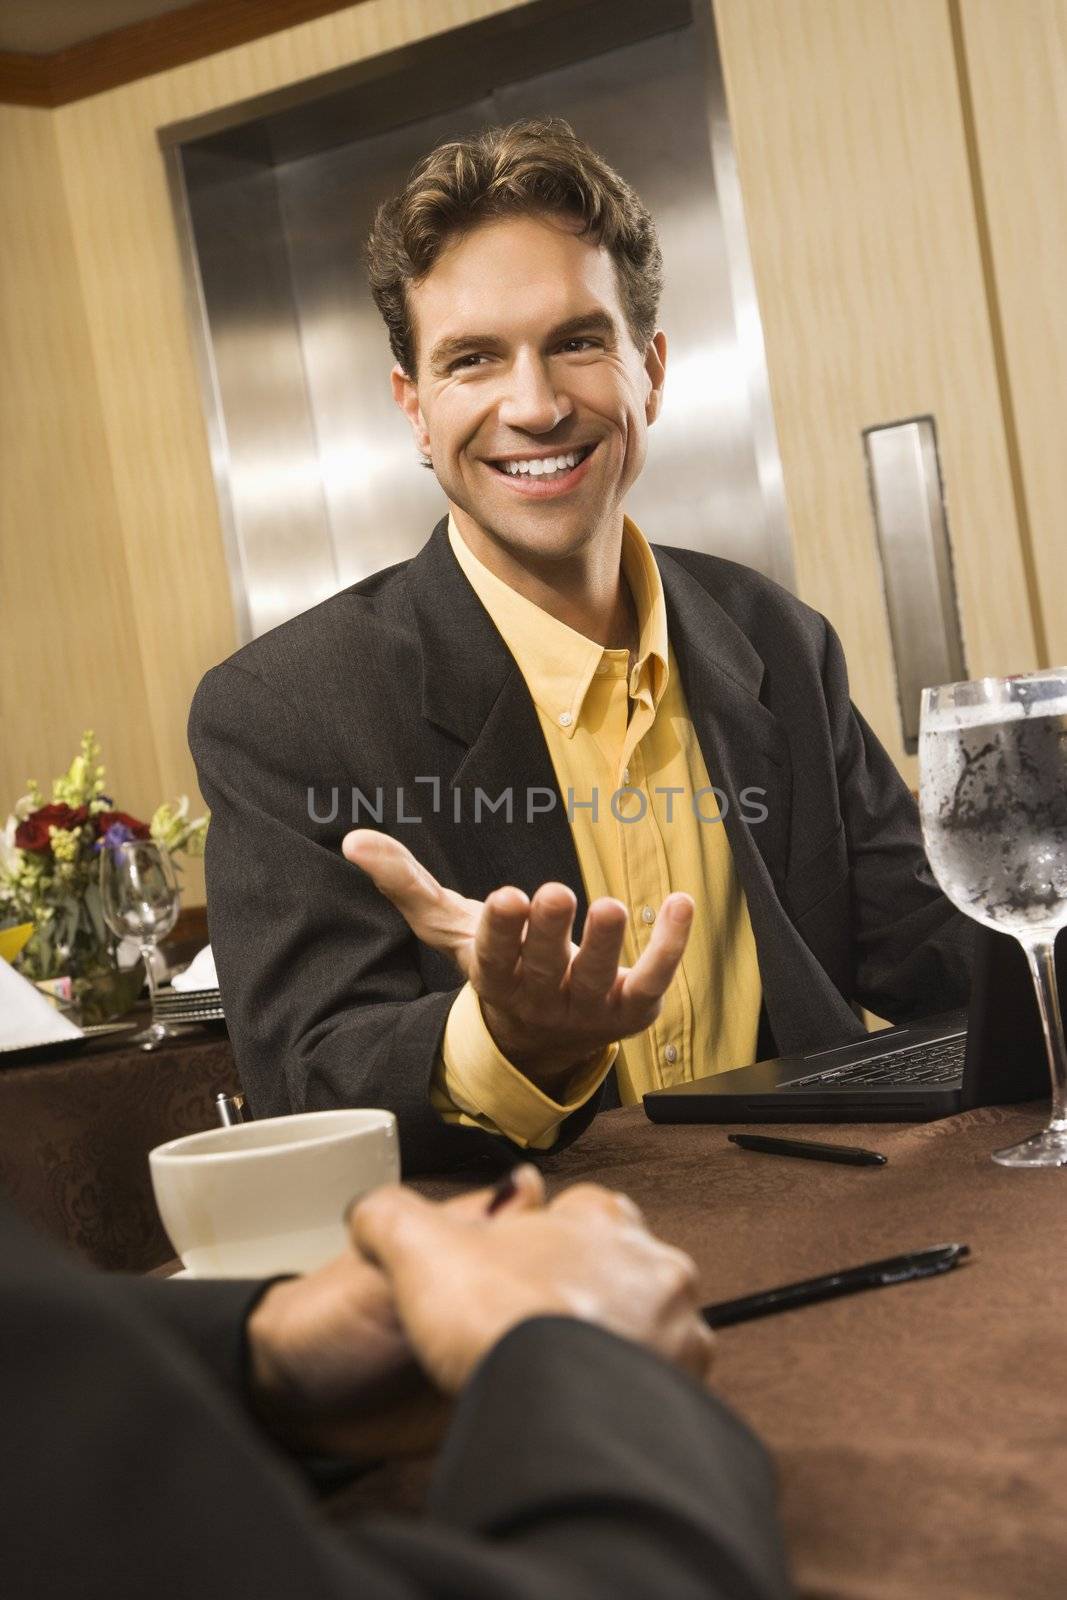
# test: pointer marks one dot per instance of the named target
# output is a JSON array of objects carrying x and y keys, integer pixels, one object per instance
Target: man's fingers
[
  {"x": 392, "y": 868},
  {"x": 592, "y": 1200},
  {"x": 498, "y": 944},
  {"x": 522, "y": 1190},
  {"x": 529, "y": 1188},
  {"x": 392, "y": 1223},
  {"x": 648, "y": 979},
  {"x": 697, "y": 1354},
  {"x": 546, "y": 950},
  {"x": 594, "y": 968},
  {"x": 439, "y": 917}
]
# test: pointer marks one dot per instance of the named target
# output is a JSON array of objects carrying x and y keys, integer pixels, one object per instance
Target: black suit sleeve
[
  {"x": 913, "y": 949},
  {"x": 577, "y": 1467},
  {"x": 532, "y": 1463},
  {"x": 206, "y": 1315},
  {"x": 319, "y": 974}
]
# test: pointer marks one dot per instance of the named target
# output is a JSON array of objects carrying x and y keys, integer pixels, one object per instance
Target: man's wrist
[
  {"x": 272, "y": 1394},
  {"x": 396, "y": 1415},
  {"x": 550, "y": 1069}
]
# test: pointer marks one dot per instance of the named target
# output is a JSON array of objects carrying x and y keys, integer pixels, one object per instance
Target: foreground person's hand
[
  {"x": 460, "y": 1285},
  {"x": 549, "y": 1004},
  {"x": 330, "y": 1366}
]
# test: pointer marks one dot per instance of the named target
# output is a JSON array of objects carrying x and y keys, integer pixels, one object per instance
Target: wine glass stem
[
  {"x": 147, "y": 951},
  {"x": 1040, "y": 953}
]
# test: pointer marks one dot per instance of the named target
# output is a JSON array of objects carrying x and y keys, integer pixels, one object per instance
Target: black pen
[
  {"x": 808, "y": 1150},
  {"x": 873, "y": 1275}
]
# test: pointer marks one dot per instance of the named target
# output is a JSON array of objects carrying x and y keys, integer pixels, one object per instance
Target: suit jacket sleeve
[
  {"x": 693, "y": 1513},
  {"x": 913, "y": 949},
  {"x": 622, "y": 1479},
  {"x": 319, "y": 973}
]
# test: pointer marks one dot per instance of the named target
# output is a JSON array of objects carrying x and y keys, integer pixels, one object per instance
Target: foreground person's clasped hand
[
  {"x": 339, "y": 1360},
  {"x": 459, "y": 1285},
  {"x": 330, "y": 1364}
]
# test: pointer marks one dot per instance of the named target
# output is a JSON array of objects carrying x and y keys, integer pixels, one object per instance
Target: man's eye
[
  {"x": 579, "y": 344},
  {"x": 466, "y": 361}
]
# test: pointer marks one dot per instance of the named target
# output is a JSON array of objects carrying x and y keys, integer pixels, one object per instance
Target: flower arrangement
[{"x": 50, "y": 863}]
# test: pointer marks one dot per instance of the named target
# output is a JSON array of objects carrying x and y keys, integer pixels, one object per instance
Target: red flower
[
  {"x": 106, "y": 819},
  {"x": 32, "y": 834}
]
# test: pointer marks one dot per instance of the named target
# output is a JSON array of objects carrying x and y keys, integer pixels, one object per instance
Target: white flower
[{"x": 10, "y": 856}]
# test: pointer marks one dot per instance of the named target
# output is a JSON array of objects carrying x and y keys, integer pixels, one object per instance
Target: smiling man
[{"x": 627, "y": 827}]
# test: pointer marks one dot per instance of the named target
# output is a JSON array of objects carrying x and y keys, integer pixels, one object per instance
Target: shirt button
[
  {"x": 670, "y": 1054},
  {"x": 565, "y": 719},
  {"x": 649, "y": 916},
  {"x": 626, "y": 777}
]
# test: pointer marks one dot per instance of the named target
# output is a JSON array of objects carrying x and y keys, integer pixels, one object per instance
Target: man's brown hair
[{"x": 535, "y": 167}]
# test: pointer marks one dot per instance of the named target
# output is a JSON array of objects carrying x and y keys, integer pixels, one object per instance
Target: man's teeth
[{"x": 545, "y": 467}]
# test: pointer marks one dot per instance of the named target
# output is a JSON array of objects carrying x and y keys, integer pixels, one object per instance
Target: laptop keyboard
[{"x": 938, "y": 1063}]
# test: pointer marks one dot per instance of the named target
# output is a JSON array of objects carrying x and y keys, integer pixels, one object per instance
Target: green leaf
[{"x": 94, "y": 906}]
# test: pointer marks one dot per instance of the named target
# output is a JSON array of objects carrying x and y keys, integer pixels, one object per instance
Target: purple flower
[{"x": 117, "y": 834}]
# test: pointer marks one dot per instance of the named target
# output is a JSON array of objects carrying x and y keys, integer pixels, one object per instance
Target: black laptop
[{"x": 991, "y": 1054}]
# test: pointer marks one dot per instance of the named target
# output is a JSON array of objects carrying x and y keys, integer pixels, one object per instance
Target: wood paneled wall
[
  {"x": 852, "y": 152},
  {"x": 69, "y": 651},
  {"x": 1016, "y": 57}
]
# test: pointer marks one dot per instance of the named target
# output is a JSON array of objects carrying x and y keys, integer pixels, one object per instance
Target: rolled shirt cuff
[{"x": 476, "y": 1085}]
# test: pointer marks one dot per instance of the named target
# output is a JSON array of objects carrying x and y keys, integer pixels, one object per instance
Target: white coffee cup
[{"x": 270, "y": 1197}]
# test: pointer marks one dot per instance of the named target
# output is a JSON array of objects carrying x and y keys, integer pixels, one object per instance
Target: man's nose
[{"x": 531, "y": 400}]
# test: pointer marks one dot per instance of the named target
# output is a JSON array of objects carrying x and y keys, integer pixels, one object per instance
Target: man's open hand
[{"x": 550, "y": 1005}]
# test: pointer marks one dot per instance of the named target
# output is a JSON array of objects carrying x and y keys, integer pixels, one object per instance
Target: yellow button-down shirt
[{"x": 645, "y": 821}]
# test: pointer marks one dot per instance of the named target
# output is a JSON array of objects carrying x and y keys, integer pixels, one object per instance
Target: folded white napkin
[
  {"x": 26, "y": 1017},
  {"x": 199, "y": 974},
  {"x": 129, "y": 953}
]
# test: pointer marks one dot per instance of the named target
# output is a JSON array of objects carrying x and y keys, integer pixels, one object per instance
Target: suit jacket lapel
[
  {"x": 747, "y": 757},
  {"x": 473, "y": 690},
  {"x": 744, "y": 748}
]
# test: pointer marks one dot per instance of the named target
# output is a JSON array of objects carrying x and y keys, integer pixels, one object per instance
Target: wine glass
[
  {"x": 139, "y": 892},
  {"x": 993, "y": 801}
]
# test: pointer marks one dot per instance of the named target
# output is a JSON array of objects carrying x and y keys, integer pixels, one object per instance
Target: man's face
[{"x": 524, "y": 356}]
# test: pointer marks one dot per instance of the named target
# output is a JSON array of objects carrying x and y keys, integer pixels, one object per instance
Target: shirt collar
[
  {"x": 557, "y": 662},
  {"x": 642, "y": 574}
]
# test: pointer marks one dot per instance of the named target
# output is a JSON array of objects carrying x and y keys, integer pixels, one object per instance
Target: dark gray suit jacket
[{"x": 402, "y": 683}]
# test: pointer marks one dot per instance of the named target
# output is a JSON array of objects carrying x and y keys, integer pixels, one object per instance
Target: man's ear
[
  {"x": 655, "y": 371},
  {"x": 406, "y": 395}
]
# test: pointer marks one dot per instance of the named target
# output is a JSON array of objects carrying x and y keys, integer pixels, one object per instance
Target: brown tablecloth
[
  {"x": 920, "y": 1430},
  {"x": 75, "y": 1136}
]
